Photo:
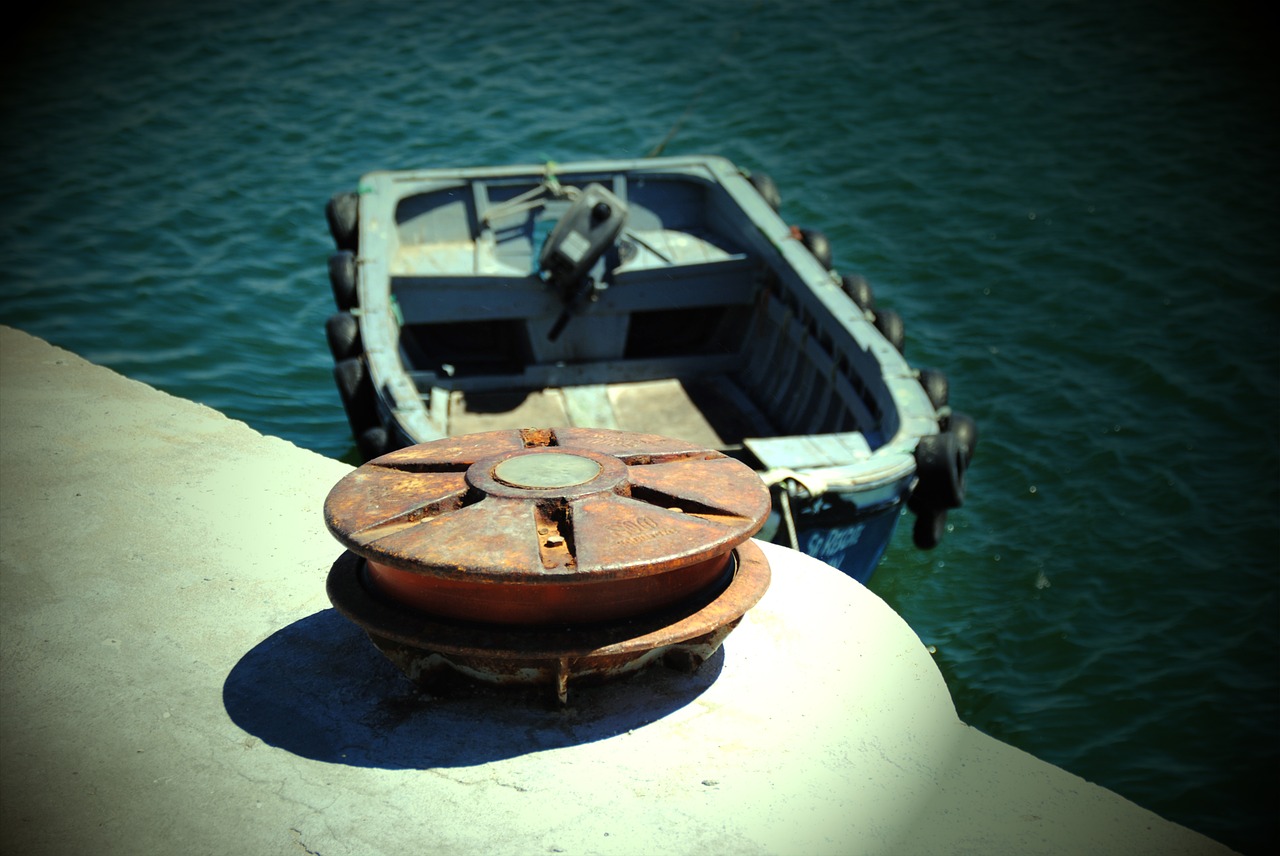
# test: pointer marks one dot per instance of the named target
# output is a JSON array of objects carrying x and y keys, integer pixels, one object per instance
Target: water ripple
[{"x": 1068, "y": 203}]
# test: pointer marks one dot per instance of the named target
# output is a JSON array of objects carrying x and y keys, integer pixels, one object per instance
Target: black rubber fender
[
  {"x": 373, "y": 443},
  {"x": 816, "y": 243},
  {"x": 355, "y": 388},
  {"x": 890, "y": 325},
  {"x": 935, "y": 386},
  {"x": 343, "y": 332},
  {"x": 928, "y": 529},
  {"x": 343, "y": 213},
  {"x": 859, "y": 290},
  {"x": 768, "y": 190},
  {"x": 342, "y": 278},
  {"x": 965, "y": 429},
  {"x": 940, "y": 467}
]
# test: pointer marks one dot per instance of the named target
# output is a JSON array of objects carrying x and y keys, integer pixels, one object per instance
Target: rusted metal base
[{"x": 429, "y": 649}]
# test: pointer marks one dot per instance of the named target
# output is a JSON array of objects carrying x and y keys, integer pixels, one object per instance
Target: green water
[{"x": 1073, "y": 205}]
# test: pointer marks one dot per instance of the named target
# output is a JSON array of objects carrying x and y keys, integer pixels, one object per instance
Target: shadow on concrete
[{"x": 319, "y": 689}]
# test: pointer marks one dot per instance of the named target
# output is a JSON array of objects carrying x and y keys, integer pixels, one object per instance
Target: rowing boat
[{"x": 661, "y": 295}]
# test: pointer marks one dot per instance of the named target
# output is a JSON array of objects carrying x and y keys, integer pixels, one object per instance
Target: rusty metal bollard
[{"x": 539, "y": 555}]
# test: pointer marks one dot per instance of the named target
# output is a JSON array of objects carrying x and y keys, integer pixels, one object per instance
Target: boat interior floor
[{"x": 710, "y": 411}]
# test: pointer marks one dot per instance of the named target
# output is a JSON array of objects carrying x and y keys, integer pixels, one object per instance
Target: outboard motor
[{"x": 576, "y": 246}]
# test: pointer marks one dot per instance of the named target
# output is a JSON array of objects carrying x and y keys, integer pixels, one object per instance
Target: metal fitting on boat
[{"x": 537, "y": 556}]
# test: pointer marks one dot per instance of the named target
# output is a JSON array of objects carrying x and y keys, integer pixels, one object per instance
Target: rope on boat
[
  {"x": 532, "y": 198},
  {"x": 662, "y": 145},
  {"x": 792, "y": 538},
  {"x": 720, "y": 62},
  {"x": 810, "y": 484}
]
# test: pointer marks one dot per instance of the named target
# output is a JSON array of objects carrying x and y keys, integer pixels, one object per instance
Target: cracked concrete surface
[{"x": 174, "y": 680}]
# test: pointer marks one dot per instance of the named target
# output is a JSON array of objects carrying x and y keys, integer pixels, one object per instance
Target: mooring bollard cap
[{"x": 583, "y": 523}]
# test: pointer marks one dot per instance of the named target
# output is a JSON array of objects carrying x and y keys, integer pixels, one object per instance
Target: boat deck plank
[
  {"x": 663, "y": 407},
  {"x": 491, "y": 411},
  {"x": 590, "y": 406},
  {"x": 712, "y": 412}
]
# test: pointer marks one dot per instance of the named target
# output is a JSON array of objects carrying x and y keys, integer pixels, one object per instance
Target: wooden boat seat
[{"x": 810, "y": 451}]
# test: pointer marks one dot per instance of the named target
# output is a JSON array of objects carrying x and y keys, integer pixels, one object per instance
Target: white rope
[
  {"x": 786, "y": 516},
  {"x": 814, "y": 485},
  {"x": 531, "y": 199}
]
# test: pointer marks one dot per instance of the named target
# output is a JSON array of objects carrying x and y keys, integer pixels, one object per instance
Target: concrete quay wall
[{"x": 174, "y": 680}]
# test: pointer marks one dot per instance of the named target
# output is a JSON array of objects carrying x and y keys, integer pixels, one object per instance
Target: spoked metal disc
[{"x": 543, "y": 527}]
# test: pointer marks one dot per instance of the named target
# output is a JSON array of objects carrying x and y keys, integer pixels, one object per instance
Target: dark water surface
[{"x": 1074, "y": 207}]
